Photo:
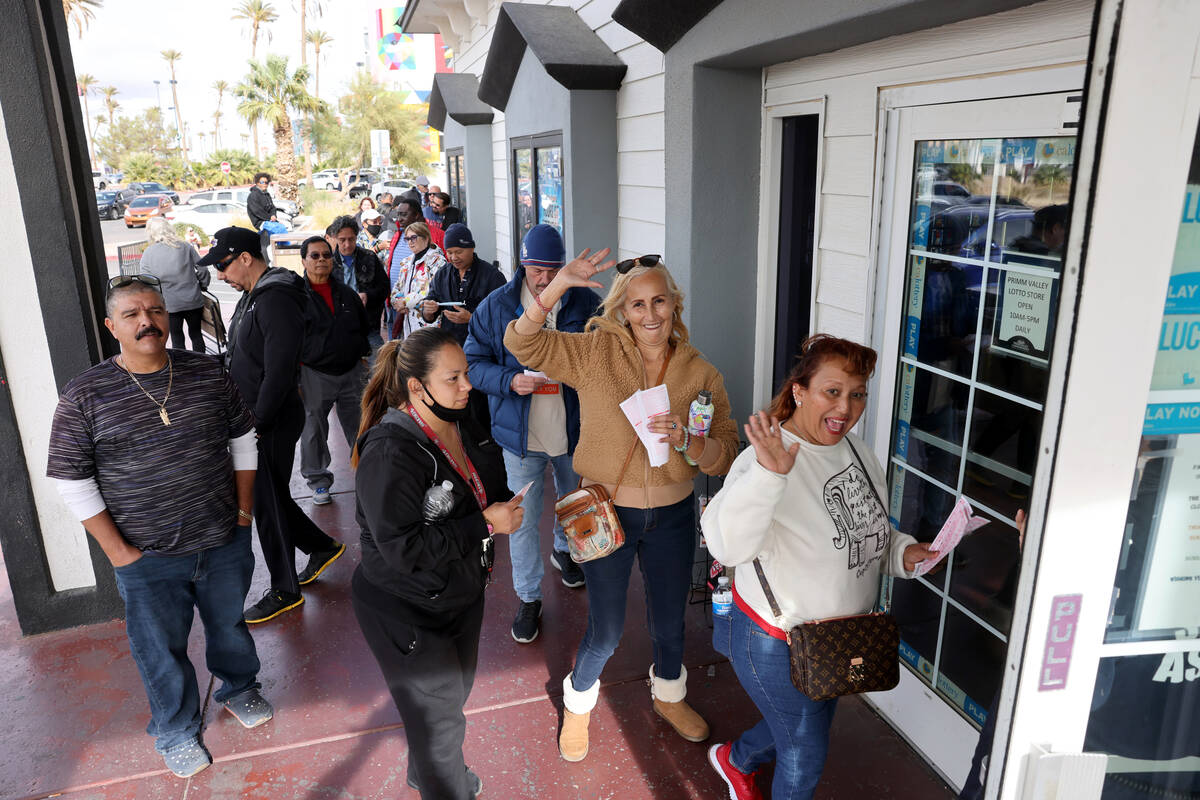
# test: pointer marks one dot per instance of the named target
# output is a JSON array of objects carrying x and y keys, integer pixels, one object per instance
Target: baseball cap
[
  {"x": 370, "y": 214},
  {"x": 422, "y": 180},
  {"x": 543, "y": 247},
  {"x": 230, "y": 242}
]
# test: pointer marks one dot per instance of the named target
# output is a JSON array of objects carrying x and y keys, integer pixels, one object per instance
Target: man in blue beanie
[
  {"x": 535, "y": 421},
  {"x": 454, "y": 294}
]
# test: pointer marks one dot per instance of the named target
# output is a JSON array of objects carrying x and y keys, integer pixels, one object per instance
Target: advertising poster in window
[
  {"x": 550, "y": 186},
  {"x": 1168, "y": 596},
  {"x": 526, "y": 213}
]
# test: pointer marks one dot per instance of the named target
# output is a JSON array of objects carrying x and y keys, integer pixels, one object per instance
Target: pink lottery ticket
[{"x": 960, "y": 522}]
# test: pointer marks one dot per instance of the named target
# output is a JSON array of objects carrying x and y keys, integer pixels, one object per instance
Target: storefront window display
[
  {"x": 1144, "y": 706},
  {"x": 538, "y": 178}
]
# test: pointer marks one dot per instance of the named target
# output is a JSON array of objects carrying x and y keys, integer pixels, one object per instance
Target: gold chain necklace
[{"x": 162, "y": 407}]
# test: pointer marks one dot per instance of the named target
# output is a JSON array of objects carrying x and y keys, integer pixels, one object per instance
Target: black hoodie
[
  {"x": 265, "y": 336},
  {"x": 425, "y": 573}
]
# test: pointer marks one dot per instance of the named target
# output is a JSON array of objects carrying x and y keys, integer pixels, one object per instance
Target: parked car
[
  {"x": 153, "y": 187},
  {"x": 110, "y": 204},
  {"x": 283, "y": 208},
  {"x": 209, "y": 217},
  {"x": 144, "y": 206},
  {"x": 396, "y": 186},
  {"x": 360, "y": 183},
  {"x": 324, "y": 179},
  {"x": 100, "y": 181}
]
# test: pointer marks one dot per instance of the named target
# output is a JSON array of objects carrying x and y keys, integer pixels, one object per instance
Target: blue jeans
[
  {"x": 524, "y": 544},
  {"x": 161, "y": 594},
  {"x": 664, "y": 542},
  {"x": 794, "y": 731}
]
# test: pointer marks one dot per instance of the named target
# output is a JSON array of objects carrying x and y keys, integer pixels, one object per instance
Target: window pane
[
  {"x": 1003, "y": 453},
  {"x": 984, "y": 572},
  {"x": 526, "y": 214},
  {"x": 550, "y": 186},
  {"x": 918, "y": 508},
  {"x": 932, "y": 411},
  {"x": 971, "y": 667},
  {"x": 917, "y": 611}
]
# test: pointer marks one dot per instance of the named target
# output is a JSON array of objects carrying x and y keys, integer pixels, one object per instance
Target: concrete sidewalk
[{"x": 76, "y": 711}]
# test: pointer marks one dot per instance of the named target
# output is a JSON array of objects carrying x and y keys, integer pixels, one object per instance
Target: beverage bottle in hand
[{"x": 700, "y": 417}]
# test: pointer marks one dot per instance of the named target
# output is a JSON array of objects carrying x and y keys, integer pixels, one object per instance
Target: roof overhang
[
  {"x": 662, "y": 23},
  {"x": 568, "y": 49},
  {"x": 456, "y": 95}
]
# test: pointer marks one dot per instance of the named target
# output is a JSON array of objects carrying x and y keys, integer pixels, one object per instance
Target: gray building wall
[
  {"x": 588, "y": 122},
  {"x": 713, "y": 109},
  {"x": 476, "y": 143}
]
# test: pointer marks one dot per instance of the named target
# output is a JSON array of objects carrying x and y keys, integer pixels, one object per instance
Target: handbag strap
[
  {"x": 621, "y": 476},
  {"x": 762, "y": 577},
  {"x": 879, "y": 601}
]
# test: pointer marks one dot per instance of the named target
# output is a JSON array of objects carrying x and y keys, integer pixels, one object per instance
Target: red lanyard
[{"x": 471, "y": 477}]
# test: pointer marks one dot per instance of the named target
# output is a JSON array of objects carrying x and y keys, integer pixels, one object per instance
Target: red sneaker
[{"x": 741, "y": 786}]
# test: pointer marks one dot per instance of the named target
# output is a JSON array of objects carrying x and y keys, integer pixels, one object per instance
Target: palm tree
[
  {"x": 85, "y": 83},
  {"x": 221, "y": 87},
  {"x": 112, "y": 105},
  {"x": 80, "y": 12},
  {"x": 318, "y": 39},
  {"x": 258, "y": 13},
  {"x": 306, "y": 133},
  {"x": 200, "y": 135},
  {"x": 270, "y": 93},
  {"x": 171, "y": 56}
]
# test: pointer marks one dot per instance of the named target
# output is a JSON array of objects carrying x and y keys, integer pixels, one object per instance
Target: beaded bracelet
[
  {"x": 537, "y": 298},
  {"x": 687, "y": 441}
]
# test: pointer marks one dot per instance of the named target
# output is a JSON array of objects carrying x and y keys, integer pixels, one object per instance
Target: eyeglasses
[
  {"x": 124, "y": 280},
  {"x": 640, "y": 261},
  {"x": 224, "y": 265},
  {"x": 411, "y": 238},
  {"x": 321, "y": 256},
  {"x": 264, "y": 183}
]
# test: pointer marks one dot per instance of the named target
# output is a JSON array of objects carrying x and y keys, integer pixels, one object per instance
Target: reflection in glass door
[{"x": 988, "y": 221}]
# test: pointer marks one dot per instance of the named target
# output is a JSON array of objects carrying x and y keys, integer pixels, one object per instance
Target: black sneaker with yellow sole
[
  {"x": 318, "y": 561},
  {"x": 273, "y": 603}
]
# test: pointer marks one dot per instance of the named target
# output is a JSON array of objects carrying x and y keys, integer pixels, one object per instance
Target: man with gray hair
[{"x": 154, "y": 451}]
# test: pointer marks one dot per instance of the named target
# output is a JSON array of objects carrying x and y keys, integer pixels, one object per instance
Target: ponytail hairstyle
[
  {"x": 814, "y": 352},
  {"x": 396, "y": 362}
]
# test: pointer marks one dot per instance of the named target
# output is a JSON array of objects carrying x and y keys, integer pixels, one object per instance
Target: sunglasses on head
[
  {"x": 640, "y": 261},
  {"x": 125, "y": 280}
]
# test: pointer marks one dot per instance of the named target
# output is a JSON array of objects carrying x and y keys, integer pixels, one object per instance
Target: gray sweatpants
[{"x": 321, "y": 393}]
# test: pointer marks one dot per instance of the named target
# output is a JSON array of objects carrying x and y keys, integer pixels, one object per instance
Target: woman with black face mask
[{"x": 432, "y": 492}]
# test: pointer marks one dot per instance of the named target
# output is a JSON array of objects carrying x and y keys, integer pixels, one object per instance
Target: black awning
[
  {"x": 662, "y": 23},
  {"x": 567, "y": 48},
  {"x": 457, "y": 95}
]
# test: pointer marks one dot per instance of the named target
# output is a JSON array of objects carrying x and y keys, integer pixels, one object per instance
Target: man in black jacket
[
  {"x": 360, "y": 269},
  {"x": 334, "y": 370},
  {"x": 265, "y": 337},
  {"x": 260, "y": 207}
]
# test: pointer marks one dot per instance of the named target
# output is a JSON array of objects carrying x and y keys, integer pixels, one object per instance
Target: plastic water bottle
[
  {"x": 439, "y": 499},
  {"x": 700, "y": 417},
  {"x": 722, "y": 598}
]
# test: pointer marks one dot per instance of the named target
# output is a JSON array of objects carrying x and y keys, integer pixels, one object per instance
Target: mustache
[{"x": 148, "y": 331}]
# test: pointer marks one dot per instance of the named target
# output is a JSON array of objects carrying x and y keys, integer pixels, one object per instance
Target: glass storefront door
[{"x": 980, "y": 214}]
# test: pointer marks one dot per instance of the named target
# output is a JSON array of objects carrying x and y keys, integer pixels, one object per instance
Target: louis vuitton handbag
[{"x": 843, "y": 655}]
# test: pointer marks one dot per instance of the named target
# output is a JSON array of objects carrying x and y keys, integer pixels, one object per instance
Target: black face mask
[
  {"x": 443, "y": 413},
  {"x": 373, "y": 230}
]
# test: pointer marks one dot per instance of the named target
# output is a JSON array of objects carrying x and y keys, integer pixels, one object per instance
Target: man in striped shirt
[{"x": 154, "y": 451}]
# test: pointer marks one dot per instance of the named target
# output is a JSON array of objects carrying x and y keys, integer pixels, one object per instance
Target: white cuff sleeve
[
  {"x": 82, "y": 497},
  {"x": 245, "y": 451}
]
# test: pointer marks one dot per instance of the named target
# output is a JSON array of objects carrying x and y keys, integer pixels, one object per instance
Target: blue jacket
[{"x": 492, "y": 367}]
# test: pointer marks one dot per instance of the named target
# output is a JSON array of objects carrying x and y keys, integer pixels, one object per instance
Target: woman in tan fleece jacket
[{"x": 637, "y": 341}]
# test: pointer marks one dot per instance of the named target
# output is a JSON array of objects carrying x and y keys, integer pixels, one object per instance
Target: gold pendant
[{"x": 162, "y": 412}]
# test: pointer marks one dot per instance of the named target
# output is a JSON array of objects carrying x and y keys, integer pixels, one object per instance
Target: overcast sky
[{"x": 122, "y": 45}]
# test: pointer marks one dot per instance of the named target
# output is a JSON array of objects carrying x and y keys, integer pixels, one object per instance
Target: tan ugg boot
[
  {"x": 670, "y": 705},
  {"x": 573, "y": 738}
]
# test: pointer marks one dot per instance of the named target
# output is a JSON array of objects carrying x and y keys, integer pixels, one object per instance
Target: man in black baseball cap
[{"x": 265, "y": 339}]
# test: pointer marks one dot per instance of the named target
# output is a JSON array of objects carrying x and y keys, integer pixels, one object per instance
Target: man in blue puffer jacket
[{"x": 536, "y": 421}]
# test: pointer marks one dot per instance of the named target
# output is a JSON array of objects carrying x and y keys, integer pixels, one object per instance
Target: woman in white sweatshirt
[{"x": 804, "y": 500}]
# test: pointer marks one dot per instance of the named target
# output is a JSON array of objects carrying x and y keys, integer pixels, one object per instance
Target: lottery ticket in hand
[{"x": 962, "y": 520}]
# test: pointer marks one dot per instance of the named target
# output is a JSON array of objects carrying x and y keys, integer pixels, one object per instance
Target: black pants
[
  {"x": 192, "y": 317},
  {"x": 430, "y": 676},
  {"x": 282, "y": 527}
]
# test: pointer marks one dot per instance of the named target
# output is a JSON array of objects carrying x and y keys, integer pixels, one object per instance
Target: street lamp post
[{"x": 158, "y": 91}]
